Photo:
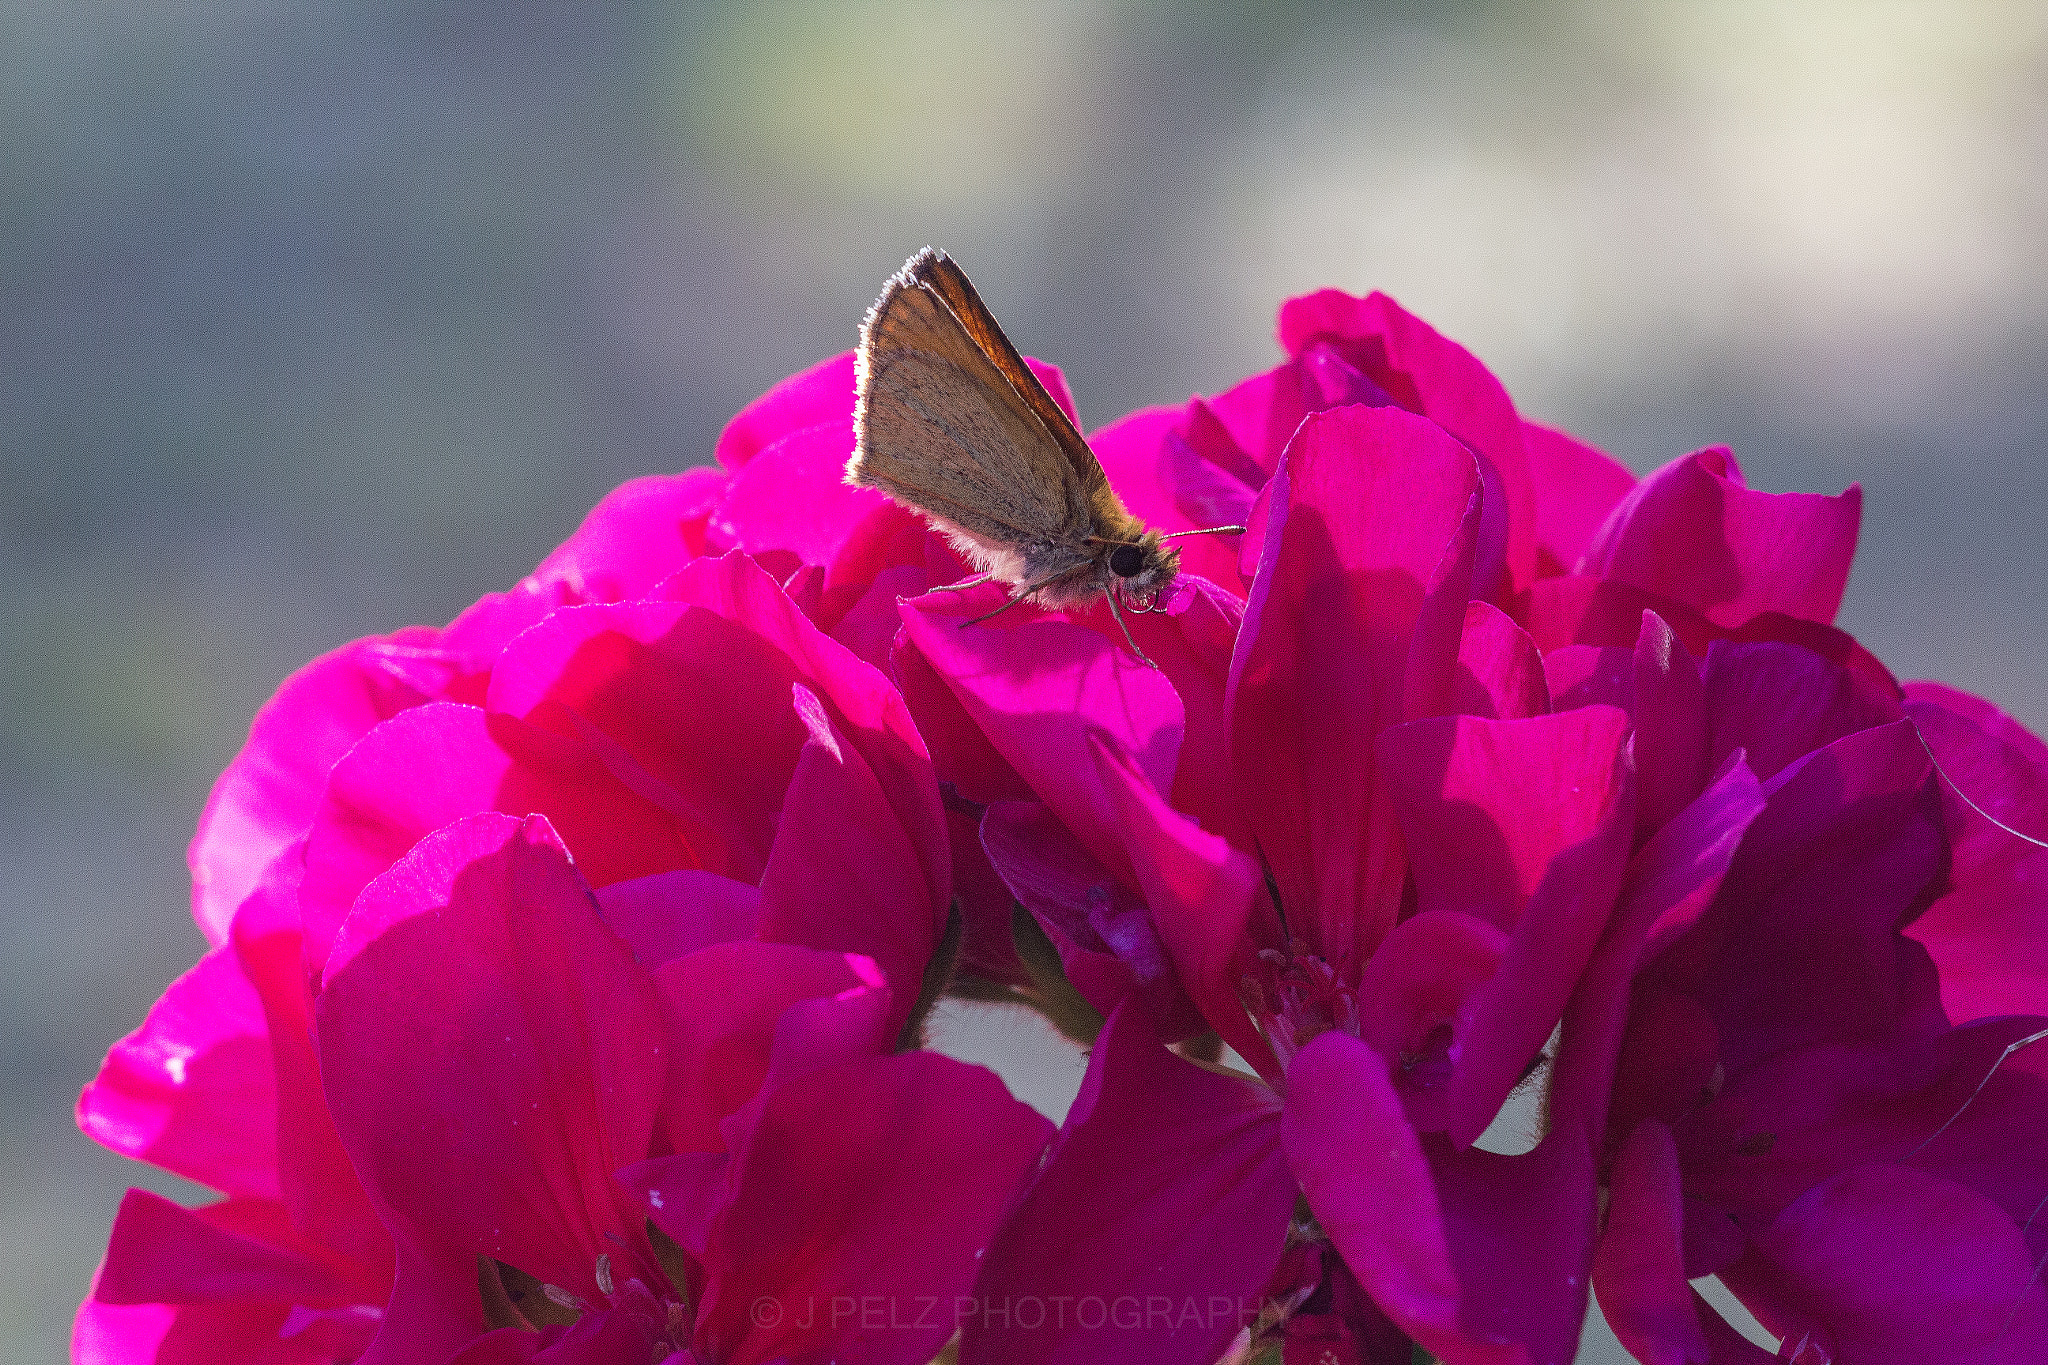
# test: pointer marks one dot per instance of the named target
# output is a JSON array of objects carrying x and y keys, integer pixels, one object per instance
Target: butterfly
[{"x": 950, "y": 422}]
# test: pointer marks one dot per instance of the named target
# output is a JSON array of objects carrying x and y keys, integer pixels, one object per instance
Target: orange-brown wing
[
  {"x": 950, "y": 282},
  {"x": 942, "y": 425}
]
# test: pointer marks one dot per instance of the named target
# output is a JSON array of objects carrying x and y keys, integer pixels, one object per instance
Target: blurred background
[{"x": 315, "y": 321}]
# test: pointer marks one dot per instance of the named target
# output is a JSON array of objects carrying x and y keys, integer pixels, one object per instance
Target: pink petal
[
  {"x": 1419, "y": 981},
  {"x": 1324, "y": 651},
  {"x": 1166, "y": 1190},
  {"x": 669, "y": 914},
  {"x": 1526, "y": 823},
  {"x": 819, "y": 396},
  {"x": 187, "y": 1091},
  {"x": 723, "y": 1003},
  {"x": 1805, "y": 945},
  {"x": 1577, "y": 486},
  {"x": 1670, "y": 709},
  {"x": 1671, "y": 882},
  {"x": 1989, "y": 935},
  {"x": 240, "y": 1250},
  {"x": 317, "y": 1182},
  {"x": 870, "y": 710},
  {"x": 1035, "y": 689},
  {"x": 859, "y": 1212},
  {"x": 1893, "y": 1267},
  {"x": 1363, "y": 1173},
  {"x": 1427, "y": 373},
  {"x": 1199, "y": 891},
  {"x": 1693, "y": 532},
  {"x": 1779, "y": 702},
  {"x": 265, "y": 799},
  {"x": 1486, "y": 805},
  {"x": 792, "y": 495},
  {"x": 1590, "y": 675},
  {"x": 484, "y": 1038},
  {"x": 842, "y": 874},
  {"x": 1102, "y": 927},
  {"x": 1637, "y": 1271},
  {"x": 437, "y": 763},
  {"x": 638, "y": 534},
  {"x": 1500, "y": 675}
]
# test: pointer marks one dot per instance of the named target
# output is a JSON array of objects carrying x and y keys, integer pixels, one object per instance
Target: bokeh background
[{"x": 315, "y": 321}]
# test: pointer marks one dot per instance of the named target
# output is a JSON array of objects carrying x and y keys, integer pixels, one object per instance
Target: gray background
[{"x": 318, "y": 321}]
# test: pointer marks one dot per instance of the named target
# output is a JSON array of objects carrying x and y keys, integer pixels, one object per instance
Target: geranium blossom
[{"x": 1581, "y": 910}]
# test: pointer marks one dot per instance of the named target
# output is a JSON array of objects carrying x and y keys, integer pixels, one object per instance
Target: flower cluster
[{"x": 1509, "y": 887}]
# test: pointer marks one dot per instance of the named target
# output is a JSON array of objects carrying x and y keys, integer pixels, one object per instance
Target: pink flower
[
  {"x": 522, "y": 1095},
  {"x": 722, "y": 769},
  {"x": 220, "y": 1085},
  {"x": 1468, "y": 751}
]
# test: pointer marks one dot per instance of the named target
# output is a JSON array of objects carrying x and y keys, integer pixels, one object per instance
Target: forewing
[{"x": 942, "y": 425}]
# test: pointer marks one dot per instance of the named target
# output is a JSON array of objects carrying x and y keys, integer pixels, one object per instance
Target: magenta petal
[
  {"x": 1576, "y": 487},
  {"x": 792, "y": 495},
  {"x": 1693, "y": 532},
  {"x": 1989, "y": 934},
  {"x": 871, "y": 711},
  {"x": 818, "y": 396},
  {"x": 1521, "y": 1231},
  {"x": 1036, "y": 689},
  {"x": 1526, "y": 823},
  {"x": 1323, "y": 655},
  {"x": 1362, "y": 1170},
  {"x": 1671, "y": 725},
  {"x": 1590, "y": 675},
  {"x": 484, "y": 1035},
  {"x": 640, "y": 533},
  {"x": 1102, "y": 928},
  {"x": 1419, "y": 981},
  {"x": 842, "y": 874},
  {"x": 317, "y": 1183},
  {"x": 1670, "y": 883},
  {"x": 184, "y": 1091},
  {"x": 1638, "y": 1271},
  {"x": 266, "y": 797},
  {"x": 162, "y": 1253},
  {"x": 1805, "y": 929},
  {"x": 1893, "y": 1267},
  {"x": 1428, "y": 373},
  {"x": 669, "y": 914},
  {"x": 723, "y": 1003},
  {"x": 1779, "y": 702},
  {"x": 1486, "y": 805},
  {"x": 1499, "y": 675},
  {"x": 1166, "y": 1190},
  {"x": 409, "y": 776},
  {"x": 861, "y": 1201},
  {"x": 1199, "y": 891}
]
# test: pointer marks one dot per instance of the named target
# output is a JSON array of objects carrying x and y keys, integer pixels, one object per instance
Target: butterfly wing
[{"x": 951, "y": 421}]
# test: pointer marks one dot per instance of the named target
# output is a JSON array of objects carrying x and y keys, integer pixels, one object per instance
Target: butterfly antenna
[
  {"x": 1207, "y": 531},
  {"x": 1921, "y": 735},
  {"x": 1128, "y": 637}
]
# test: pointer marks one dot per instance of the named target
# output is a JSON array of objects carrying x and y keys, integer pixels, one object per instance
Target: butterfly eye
[{"x": 1125, "y": 561}]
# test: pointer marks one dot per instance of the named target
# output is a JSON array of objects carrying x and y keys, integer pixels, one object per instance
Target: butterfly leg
[
  {"x": 964, "y": 584},
  {"x": 1026, "y": 589},
  {"x": 1129, "y": 639}
]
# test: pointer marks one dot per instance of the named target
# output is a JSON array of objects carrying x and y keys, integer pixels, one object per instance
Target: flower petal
[
  {"x": 1158, "y": 1217},
  {"x": 862, "y": 1199},
  {"x": 1361, "y": 516},
  {"x": 492, "y": 1055},
  {"x": 1693, "y": 532},
  {"x": 179, "y": 1091},
  {"x": 1637, "y": 1271}
]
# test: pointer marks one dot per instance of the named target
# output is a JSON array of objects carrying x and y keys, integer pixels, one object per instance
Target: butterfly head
[{"x": 1138, "y": 572}]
